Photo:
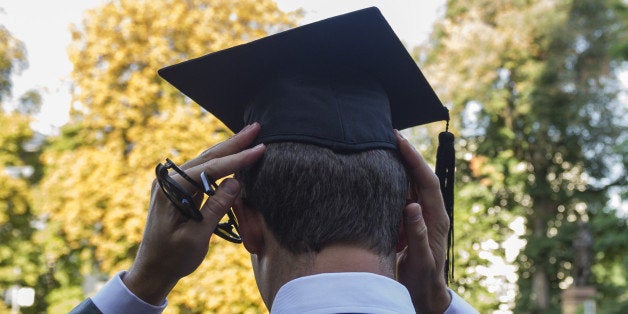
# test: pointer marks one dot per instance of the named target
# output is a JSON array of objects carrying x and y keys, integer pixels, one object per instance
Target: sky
[{"x": 43, "y": 26}]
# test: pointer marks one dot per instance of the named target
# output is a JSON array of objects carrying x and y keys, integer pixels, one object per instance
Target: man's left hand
[{"x": 421, "y": 264}]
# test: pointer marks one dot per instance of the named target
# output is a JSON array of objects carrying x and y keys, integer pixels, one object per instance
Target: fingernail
[
  {"x": 413, "y": 214},
  {"x": 258, "y": 146},
  {"x": 246, "y": 128},
  {"x": 230, "y": 186}
]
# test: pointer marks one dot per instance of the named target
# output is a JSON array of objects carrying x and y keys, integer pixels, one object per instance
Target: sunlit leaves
[
  {"x": 125, "y": 120},
  {"x": 12, "y": 61},
  {"x": 20, "y": 262},
  {"x": 528, "y": 100}
]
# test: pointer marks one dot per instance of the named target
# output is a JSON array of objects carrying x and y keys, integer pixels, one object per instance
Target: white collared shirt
[
  {"x": 351, "y": 293},
  {"x": 342, "y": 293},
  {"x": 321, "y": 293}
]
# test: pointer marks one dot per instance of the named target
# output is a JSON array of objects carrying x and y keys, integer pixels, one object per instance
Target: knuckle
[
  {"x": 156, "y": 188},
  {"x": 432, "y": 182},
  {"x": 421, "y": 230},
  {"x": 434, "y": 179},
  {"x": 209, "y": 153},
  {"x": 446, "y": 224},
  {"x": 218, "y": 205},
  {"x": 155, "y": 185}
]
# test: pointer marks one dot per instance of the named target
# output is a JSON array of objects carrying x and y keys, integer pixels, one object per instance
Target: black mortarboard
[
  {"x": 226, "y": 82},
  {"x": 344, "y": 83}
]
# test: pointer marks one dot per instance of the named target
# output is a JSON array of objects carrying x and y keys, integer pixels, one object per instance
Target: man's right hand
[{"x": 174, "y": 246}]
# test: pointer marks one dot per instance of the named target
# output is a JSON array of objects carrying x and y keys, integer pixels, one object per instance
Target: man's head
[
  {"x": 340, "y": 85},
  {"x": 343, "y": 83},
  {"x": 311, "y": 197},
  {"x": 310, "y": 203}
]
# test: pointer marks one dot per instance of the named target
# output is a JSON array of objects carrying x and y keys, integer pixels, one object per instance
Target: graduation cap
[{"x": 344, "y": 83}]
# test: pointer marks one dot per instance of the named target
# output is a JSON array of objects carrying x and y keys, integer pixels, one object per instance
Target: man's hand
[
  {"x": 174, "y": 246},
  {"x": 421, "y": 264}
]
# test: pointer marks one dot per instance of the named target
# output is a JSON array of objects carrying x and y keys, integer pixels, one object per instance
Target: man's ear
[
  {"x": 402, "y": 239},
  {"x": 250, "y": 223}
]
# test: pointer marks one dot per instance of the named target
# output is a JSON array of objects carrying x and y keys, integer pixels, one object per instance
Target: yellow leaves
[
  {"x": 15, "y": 193},
  {"x": 124, "y": 44},
  {"x": 15, "y": 131},
  {"x": 14, "y": 197},
  {"x": 225, "y": 274},
  {"x": 12, "y": 60},
  {"x": 97, "y": 194}
]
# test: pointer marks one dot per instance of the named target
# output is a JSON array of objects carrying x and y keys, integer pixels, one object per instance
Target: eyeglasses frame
[{"x": 185, "y": 203}]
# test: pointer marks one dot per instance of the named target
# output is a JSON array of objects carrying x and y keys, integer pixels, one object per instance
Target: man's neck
[
  {"x": 347, "y": 258},
  {"x": 284, "y": 266}
]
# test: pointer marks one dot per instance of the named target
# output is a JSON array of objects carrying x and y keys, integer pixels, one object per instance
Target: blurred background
[{"x": 537, "y": 89}]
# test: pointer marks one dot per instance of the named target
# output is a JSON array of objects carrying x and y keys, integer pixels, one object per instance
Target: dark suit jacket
[{"x": 86, "y": 307}]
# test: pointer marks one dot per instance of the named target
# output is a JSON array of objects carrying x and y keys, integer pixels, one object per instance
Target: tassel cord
[{"x": 445, "y": 168}]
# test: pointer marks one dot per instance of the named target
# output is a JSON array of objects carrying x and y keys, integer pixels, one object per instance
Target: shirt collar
[{"x": 342, "y": 293}]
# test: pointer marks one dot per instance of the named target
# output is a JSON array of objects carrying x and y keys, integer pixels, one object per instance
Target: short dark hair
[{"x": 311, "y": 197}]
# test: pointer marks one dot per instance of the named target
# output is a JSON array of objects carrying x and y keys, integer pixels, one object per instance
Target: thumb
[
  {"x": 217, "y": 205},
  {"x": 417, "y": 235}
]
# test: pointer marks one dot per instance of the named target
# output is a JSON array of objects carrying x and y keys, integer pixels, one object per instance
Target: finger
[
  {"x": 425, "y": 181},
  {"x": 235, "y": 144},
  {"x": 217, "y": 206},
  {"x": 220, "y": 167},
  {"x": 419, "y": 251},
  {"x": 420, "y": 172}
]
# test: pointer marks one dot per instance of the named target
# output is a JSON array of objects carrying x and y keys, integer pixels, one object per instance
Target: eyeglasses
[{"x": 185, "y": 203}]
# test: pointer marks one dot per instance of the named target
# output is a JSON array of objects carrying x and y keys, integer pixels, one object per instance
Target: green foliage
[
  {"x": 12, "y": 60},
  {"x": 20, "y": 260},
  {"x": 533, "y": 93},
  {"x": 619, "y": 48},
  {"x": 611, "y": 267},
  {"x": 30, "y": 102}
]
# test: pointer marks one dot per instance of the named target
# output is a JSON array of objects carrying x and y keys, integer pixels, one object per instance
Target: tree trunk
[{"x": 540, "y": 282}]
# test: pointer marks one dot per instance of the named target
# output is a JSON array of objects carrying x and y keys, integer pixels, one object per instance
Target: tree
[
  {"x": 533, "y": 93},
  {"x": 619, "y": 49},
  {"x": 124, "y": 121},
  {"x": 12, "y": 61},
  {"x": 20, "y": 264}
]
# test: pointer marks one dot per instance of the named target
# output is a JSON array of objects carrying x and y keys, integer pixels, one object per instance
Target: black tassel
[{"x": 445, "y": 168}]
